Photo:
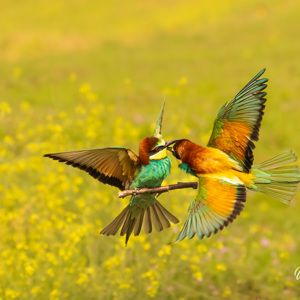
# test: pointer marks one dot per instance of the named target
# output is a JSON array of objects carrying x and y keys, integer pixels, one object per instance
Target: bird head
[
  {"x": 177, "y": 149},
  {"x": 152, "y": 148},
  {"x": 159, "y": 151}
]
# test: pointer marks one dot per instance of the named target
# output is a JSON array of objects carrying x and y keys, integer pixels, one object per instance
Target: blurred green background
[{"x": 86, "y": 74}]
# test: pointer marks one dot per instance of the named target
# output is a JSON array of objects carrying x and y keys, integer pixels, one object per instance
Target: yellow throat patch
[{"x": 159, "y": 155}]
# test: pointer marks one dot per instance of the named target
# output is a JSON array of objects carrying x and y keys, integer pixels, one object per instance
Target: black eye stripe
[
  {"x": 155, "y": 150},
  {"x": 176, "y": 154},
  {"x": 158, "y": 148}
]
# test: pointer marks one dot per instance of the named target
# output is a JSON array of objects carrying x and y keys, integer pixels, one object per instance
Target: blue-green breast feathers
[
  {"x": 187, "y": 169},
  {"x": 153, "y": 174}
]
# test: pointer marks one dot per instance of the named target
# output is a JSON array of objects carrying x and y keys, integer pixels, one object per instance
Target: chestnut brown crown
[
  {"x": 146, "y": 145},
  {"x": 180, "y": 147}
]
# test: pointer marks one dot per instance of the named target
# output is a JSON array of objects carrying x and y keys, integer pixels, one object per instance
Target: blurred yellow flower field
[{"x": 86, "y": 74}]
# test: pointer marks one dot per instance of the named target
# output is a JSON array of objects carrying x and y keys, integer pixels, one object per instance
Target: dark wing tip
[
  {"x": 239, "y": 204},
  {"x": 105, "y": 179},
  {"x": 53, "y": 156}
]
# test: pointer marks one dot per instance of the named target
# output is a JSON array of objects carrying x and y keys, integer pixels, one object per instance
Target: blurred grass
[{"x": 84, "y": 74}]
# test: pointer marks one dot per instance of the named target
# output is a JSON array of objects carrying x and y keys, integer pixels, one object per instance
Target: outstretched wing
[
  {"x": 217, "y": 204},
  {"x": 114, "y": 166},
  {"x": 238, "y": 122}
]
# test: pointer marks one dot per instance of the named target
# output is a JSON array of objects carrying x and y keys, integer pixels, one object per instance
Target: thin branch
[{"x": 160, "y": 189}]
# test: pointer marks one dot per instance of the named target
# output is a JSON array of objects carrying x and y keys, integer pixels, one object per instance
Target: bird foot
[{"x": 134, "y": 191}]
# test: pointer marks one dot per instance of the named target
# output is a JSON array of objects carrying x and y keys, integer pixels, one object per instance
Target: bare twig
[{"x": 160, "y": 189}]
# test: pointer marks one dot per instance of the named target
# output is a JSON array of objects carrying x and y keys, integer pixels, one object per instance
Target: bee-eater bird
[
  {"x": 122, "y": 168},
  {"x": 224, "y": 167}
]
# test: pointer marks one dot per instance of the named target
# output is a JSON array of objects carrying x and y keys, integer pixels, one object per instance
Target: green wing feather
[
  {"x": 238, "y": 122},
  {"x": 217, "y": 204},
  {"x": 114, "y": 165}
]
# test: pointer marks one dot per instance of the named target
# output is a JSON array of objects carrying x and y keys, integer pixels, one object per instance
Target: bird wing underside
[
  {"x": 238, "y": 122},
  {"x": 217, "y": 204},
  {"x": 114, "y": 166}
]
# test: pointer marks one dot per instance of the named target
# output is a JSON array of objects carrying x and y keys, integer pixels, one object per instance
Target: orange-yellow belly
[
  {"x": 214, "y": 163},
  {"x": 233, "y": 177},
  {"x": 246, "y": 178}
]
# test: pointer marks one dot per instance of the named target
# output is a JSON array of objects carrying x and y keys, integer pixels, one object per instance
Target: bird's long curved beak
[{"x": 171, "y": 142}]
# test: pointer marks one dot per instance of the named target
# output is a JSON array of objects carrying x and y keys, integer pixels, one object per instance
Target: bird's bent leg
[{"x": 158, "y": 194}]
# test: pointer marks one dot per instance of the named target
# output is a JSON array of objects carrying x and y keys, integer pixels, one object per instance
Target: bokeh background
[{"x": 88, "y": 74}]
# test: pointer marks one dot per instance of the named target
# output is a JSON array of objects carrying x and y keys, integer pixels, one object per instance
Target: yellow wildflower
[
  {"x": 167, "y": 91},
  {"x": 50, "y": 272},
  {"x": 263, "y": 206},
  {"x": 254, "y": 228},
  {"x": 146, "y": 246},
  {"x": 90, "y": 133},
  {"x": 25, "y": 105},
  {"x": 198, "y": 276},
  {"x": 81, "y": 110},
  {"x": 221, "y": 267},
  {"x": 127, "y": 81},
  {"x": 62, "y": 115},
  {"x": 91, "y": 96},
  {"x": 284, "y": 255},
  {"x": 35, "y": 290},
  {"x": 183, "y": 81},
  {"x": 289, "y": 283},
  {"x": 85, "y": 88},
  {"x": 153, "y": 288},
  {"x": 83, "y": 278},
  {"x": 226, "y": 292},
  {"x": 112, "y": 262},
  {"x": 54, "y": 294},
  {"x": 33, "y": 147},
  {"x": 166, "y": 250},
  {"x": 124, "y": 286},
  {"x": 11, "y": 294},
  {"x": 17, "y": 73},
  {"x": 29, "y": 269},
  {"x": 8, "y": 140},
  {"x": 220, "y": 245},
  {"x": 73, "y": 76}
]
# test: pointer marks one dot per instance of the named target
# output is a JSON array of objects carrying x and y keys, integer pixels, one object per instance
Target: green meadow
[{"x": 90, "y": 74}]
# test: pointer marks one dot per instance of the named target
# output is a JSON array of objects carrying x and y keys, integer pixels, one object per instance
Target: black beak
[
  {"x": 171, "y": 149},
  {"x": 168, "y": 143}
]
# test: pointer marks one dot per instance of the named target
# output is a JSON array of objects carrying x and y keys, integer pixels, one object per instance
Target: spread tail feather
[
  {"x": 276, "y": 178},
  {"x": 155, "y": 215}
]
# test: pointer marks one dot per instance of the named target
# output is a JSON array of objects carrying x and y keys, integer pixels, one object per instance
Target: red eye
[{"x": 157, "y": 148}]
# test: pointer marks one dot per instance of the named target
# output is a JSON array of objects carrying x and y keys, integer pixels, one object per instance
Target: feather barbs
[
  {"x": 115, "y": 166},
  {"x": 238, "y": 122},
  {"x": 216, "y": 205}
]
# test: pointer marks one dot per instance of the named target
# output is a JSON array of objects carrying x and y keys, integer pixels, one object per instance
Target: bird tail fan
[
  {"x": 276, "y": 177},
  {"x": 132, "y": 221}
]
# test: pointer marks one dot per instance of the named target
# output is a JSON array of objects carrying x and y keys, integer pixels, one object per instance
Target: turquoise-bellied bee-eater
[
  {"x": 224, "y": 167},
  {"x": 120, "y": 167}
]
